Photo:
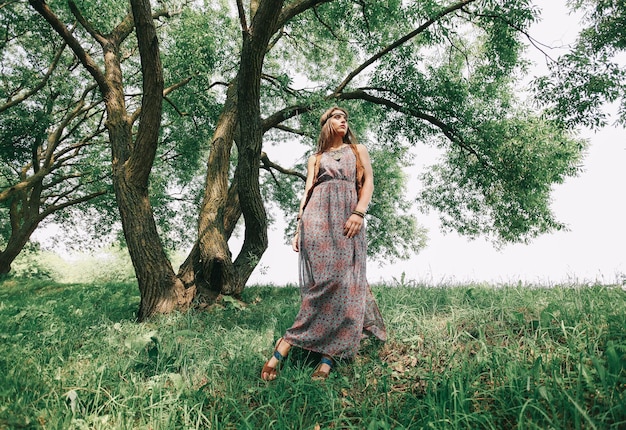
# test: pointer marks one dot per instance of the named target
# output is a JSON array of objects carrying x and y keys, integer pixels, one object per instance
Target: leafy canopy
[{"x": 592, "y": 74}]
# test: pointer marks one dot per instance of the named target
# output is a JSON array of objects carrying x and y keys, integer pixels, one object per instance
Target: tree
[
  {"x": 53, "y": 143},
  {"x": 50, "y": 181},
  {"x": 410, "y": 73},
  {"x": 45, "y": 133},
  {"x": 132, "y": 151}
]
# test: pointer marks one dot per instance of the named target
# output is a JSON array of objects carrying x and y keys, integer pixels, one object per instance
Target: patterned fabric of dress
[{"x": 337, "y": 308}]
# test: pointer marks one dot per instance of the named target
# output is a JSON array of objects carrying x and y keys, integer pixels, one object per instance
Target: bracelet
[{"x": 359, "y": 213}]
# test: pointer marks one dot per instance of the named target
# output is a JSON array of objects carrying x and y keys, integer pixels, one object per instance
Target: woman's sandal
[
  {"x": 272, "y": 372},
  {"x": 320, "y": 375}
]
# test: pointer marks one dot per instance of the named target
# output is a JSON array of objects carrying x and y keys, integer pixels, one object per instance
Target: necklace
[{"x": 336, "y": 154}]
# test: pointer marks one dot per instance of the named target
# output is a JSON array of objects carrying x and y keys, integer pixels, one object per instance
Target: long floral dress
[{"x": 337, "y": 308}]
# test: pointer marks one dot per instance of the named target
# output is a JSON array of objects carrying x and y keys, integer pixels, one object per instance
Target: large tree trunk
[
  {"x": 132, "y": 160},
  {"x": 255, "y": 43},
  {"x": 24, "y": 219},
  {"x": 193, "y": 272},
  {"x": 215, "y": 257},
  {"x": 160, "y": 290},
  {"x": 209, "y": 265}
]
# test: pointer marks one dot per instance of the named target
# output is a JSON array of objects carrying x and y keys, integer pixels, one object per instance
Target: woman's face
[{"x": 339, "y": 122}]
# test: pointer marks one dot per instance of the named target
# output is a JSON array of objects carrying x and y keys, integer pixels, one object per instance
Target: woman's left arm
[{"x": 355, "y": 222}]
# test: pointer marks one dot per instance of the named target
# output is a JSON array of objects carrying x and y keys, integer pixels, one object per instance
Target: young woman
[{"x": 337, "y": 308}]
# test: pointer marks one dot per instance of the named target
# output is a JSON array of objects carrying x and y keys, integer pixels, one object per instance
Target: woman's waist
[{"x": 337, "y": 177}]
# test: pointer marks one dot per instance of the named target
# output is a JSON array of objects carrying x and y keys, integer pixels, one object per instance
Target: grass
[{"x": 466, "y": 357}]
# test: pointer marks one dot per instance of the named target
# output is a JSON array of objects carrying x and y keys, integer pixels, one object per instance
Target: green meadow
[{"x": 458, "y": 357}]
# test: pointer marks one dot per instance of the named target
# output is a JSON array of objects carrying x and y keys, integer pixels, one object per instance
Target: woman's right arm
[{"x": 310, "y": 173}]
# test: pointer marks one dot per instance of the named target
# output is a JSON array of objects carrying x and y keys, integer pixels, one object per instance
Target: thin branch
[
  {"x": 295, "y": 8},
  {"x": 447, "y": 130},
  {"x": 87, "y": 113},
  {"x": 54, "y": 138},
  {"x": 290, "y": 130},
  {"x": 276, "y": 82},
  {"x": 176, "y": 86},
  {"x": 400, "y": 42},
  {"x": 166, "y": 92},
  {"x": 268, "y": 165},
  {"x": 5, "y": 4},
  {"x": 214, "y": 84},
  {"x": 328, "y": 27},
  {"x": 51, "y": 209},
  {"x": 242, "y": 17},
  {"x": 60, "y": 179},
  {"x": 276, "y": 39},
  {"x": 39, "y": 86},
  {"x": 364, "y": 12},
  {"x": 61, "y": 158},
  {"x": 42, "y": 8},
  {"x": 86, "y": 25},
  {"x": 534, "y": 42},
  {"x": 459, "y": 49},
  {"x": 284, "y": 114}
]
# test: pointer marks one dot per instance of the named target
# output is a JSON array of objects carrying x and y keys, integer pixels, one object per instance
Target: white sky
[{"x": 591, "y": 205}]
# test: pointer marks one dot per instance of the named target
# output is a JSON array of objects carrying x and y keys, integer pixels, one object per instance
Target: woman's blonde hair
[{"x": 326, "y": 132}]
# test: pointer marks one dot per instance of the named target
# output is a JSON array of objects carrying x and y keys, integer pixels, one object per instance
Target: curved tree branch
[
  {"x": 142, "y": 156},
  {"x": 298, "y": 7},
  {"x": 328, "y": 27},
  {"x": 242, "y": 17},
  {"x": 290, "y": 130},
  {"x": 86, "y": 24},
  {"x": 446, "y": 129},
  {"x": 269, "y": 165},
  {"x": 39, "y": 86},
  {"x": 284, "y": 114},
  {"x": 53, "y": 208},
  {"x": 295, "y": 8},
  {"x": 90, "y": 65},
  {"x": 166, "y": 92},
  {"x": 400, "y": 42}
]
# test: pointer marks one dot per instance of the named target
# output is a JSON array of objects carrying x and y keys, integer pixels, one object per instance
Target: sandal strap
[
  {"x": 328, "y": 361},
  {"x": 277, "y": 354}
]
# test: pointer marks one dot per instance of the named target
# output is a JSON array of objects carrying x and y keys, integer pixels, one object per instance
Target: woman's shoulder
[
  {"x": 361, "y": 148},
  {"x": 312, "y": 161}
]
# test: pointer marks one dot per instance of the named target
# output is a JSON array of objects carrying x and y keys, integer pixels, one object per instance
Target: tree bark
[
  {"x": 215, "y": 258},
  {"x": 161, "y": 291},
  {"x": 24, "y": 219},
  {"x": 255, "y": 42},
  {"x": 209, "y": 265}
]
